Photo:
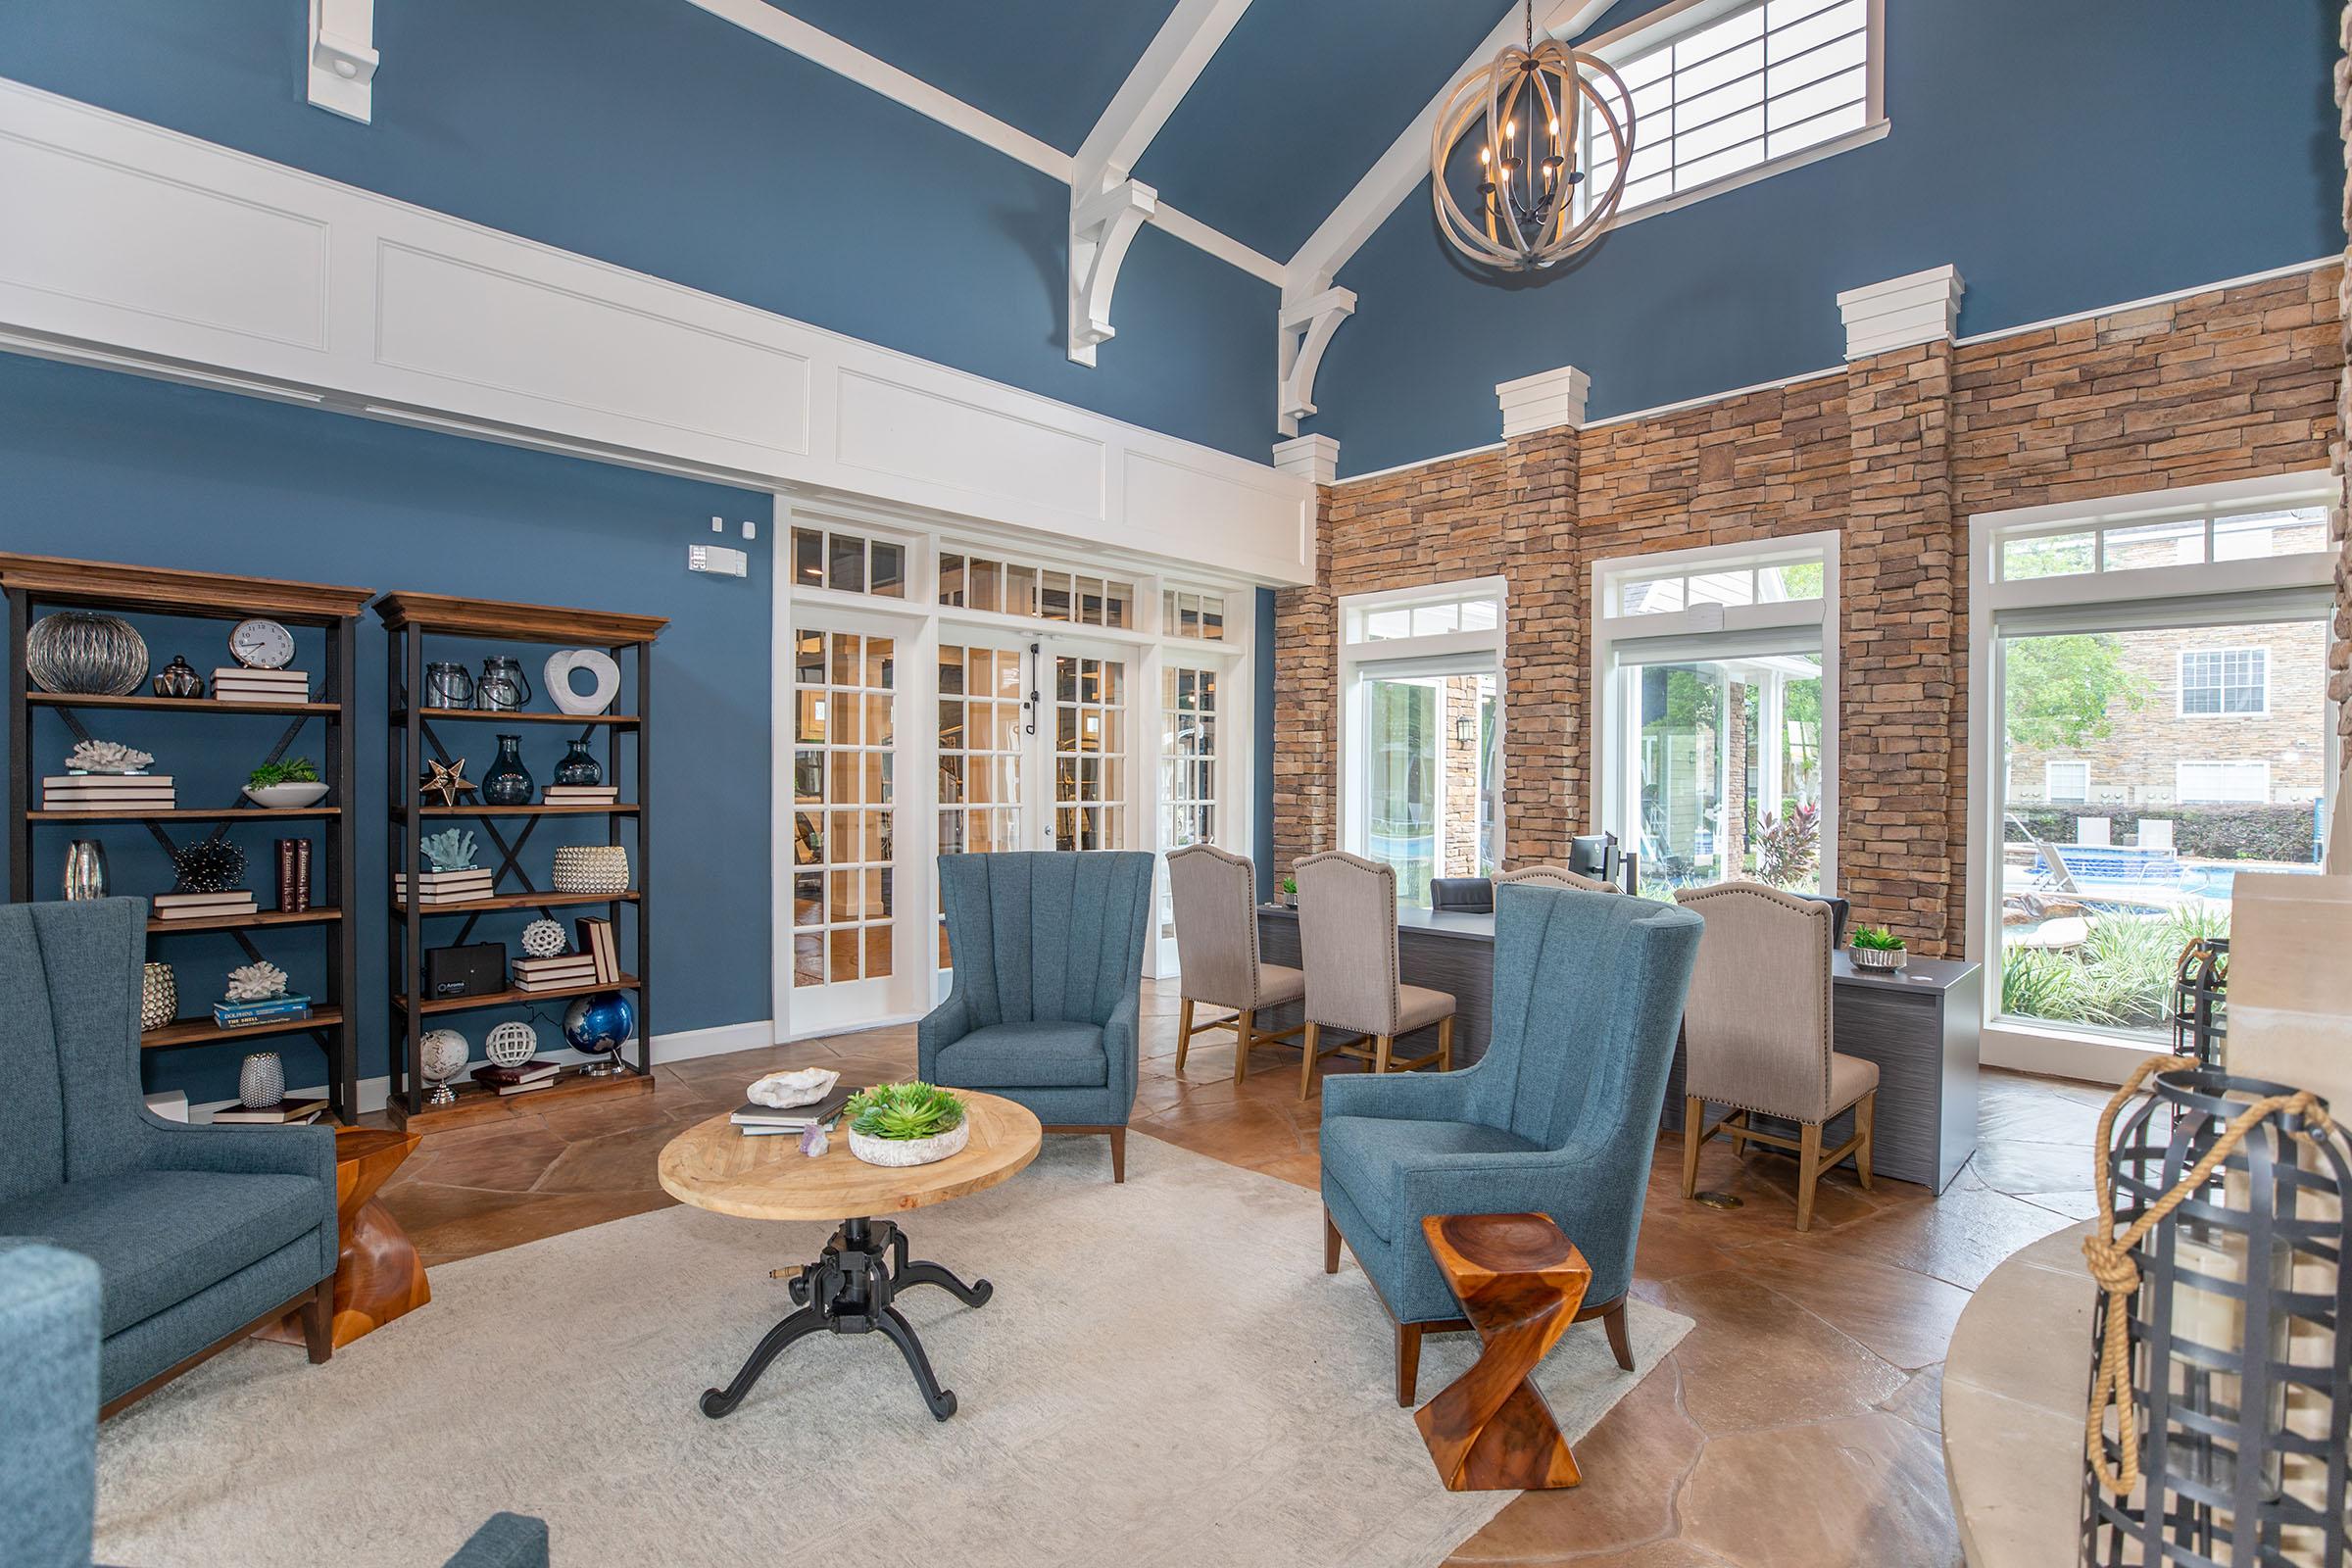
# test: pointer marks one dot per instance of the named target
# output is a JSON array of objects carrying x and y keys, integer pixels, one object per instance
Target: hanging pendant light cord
[{"x": 2110, "y": 1255}]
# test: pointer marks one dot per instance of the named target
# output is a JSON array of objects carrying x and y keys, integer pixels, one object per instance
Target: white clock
[{"x": 262, "y": 645}]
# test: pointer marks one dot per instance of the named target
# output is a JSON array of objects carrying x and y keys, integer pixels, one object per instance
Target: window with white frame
[
  {"x": 1034, "y": 592},
  {"x": 2065, "y": 783},
  {"x": 2230, "y": 783},
  {"x": 1430, "y": 617},
  {"x": 2139, "y": 536},
  {"x": 2224, "y": 683},
  {"x": 1194, "y": 615},
  {"x": 1721, "y": 92},
  {"x": 847, "y": 563}
]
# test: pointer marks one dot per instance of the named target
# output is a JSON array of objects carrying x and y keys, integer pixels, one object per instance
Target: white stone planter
[
  {"x": 900, "y": 1152},
  {"x": 1877, "y": 958}
]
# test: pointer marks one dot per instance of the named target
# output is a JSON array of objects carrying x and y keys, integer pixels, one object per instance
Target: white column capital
[
  {"x": 1917, "y": 308},
  {"x": 1545, "y": 401},
  {"x": 1309, "y": 457}
]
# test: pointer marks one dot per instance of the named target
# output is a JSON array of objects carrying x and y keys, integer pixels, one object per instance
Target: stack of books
[
  {"x": 519, "y": 1079},
  {"x": 761, "y": 1121},
  {"x": 229, "y": 905},
  {"x": 270, "y": 1010},
  {"x": 448, "y": 887},
  {"x": 580, "y": 795},
  {"x": 242, "y": 685},
  {"x": 293, "y": 875},
  {"x": 596, "y": 941},
  {"x": 120, "y": 793},
  {"x": 566, "y": 971},
  {"x": 281, "y": 1113}
]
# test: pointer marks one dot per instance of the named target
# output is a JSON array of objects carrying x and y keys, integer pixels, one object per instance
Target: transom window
[
  {"x": 1424, "y": 618},
  {"x": 1199, "y": 617},
  {"x": 2224, "y": 682},
  {"x": 2138, "y": 540},
  {"x": 1662, "y": 593},
  {"x": 847, "y": 563},
  {"x": 1717, "y": 97},
  {"x": 1035, "y": 593}
]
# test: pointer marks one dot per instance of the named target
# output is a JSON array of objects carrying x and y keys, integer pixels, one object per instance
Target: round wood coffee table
[{"x": 849, "y": 1288}]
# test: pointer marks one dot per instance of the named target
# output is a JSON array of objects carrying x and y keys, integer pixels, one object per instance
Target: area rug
[{"x": 1165, "y": 1376}]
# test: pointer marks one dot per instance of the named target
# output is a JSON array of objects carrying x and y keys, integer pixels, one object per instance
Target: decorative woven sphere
[
  {"x": 86, "y": 654},
  {"x": 590, "y": 868},
  {"x": 512, "y": 1044},
  {"x": 208, "y": 866},
  {"x": 543, "y": 938},
  {"x": 599, "y": 1023},
  {"x": 441, "y": 1055}
]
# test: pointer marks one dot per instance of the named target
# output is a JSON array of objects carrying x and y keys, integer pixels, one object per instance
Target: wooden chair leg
[
  {"x": 1446, "y": 1043},
  {"x": 1694, "y": 1116},
  {"x": 1808, "y": 1173},
  {"x": 1381, "y": 1047},
  {"x": 1865, "y": 1115},
  {"x": 1409, "y": 1362},
  {"x": 1314, "y": 1039},
  {"x": 1244, "y": 1034},
  {"x": 1736, "y": 1128},
  {"x": 1183, "y": 1032},
  {"x": 1331, "y": 1244},
  {"x": 318, "y": 1323},
  {"x": 1118, "y": 1155},
  {"x": 1621, "y": 1343}
]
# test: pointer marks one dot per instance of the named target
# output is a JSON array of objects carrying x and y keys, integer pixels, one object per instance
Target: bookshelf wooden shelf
[
  {"x": 324, "y": 619},
  {"x": 414, "y": 623}
]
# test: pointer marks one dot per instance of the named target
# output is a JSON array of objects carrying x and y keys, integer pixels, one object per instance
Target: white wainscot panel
[
  {"x": 86, "y": 229},
  {"x": 453, "y": 319},
  {"x": 892, "y": 428},
  {"x": 1179, "y": 510}
]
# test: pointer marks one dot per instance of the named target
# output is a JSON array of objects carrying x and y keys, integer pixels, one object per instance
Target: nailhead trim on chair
[{"x": 1818, "y": 913}]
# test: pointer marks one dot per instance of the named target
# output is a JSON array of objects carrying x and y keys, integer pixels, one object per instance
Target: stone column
[{"x": 1543, "y": 793}]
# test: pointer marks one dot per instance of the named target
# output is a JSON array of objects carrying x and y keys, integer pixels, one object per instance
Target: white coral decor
[
  {"x": 106, "y": 757},
  {"x": 255, "y": 982}
]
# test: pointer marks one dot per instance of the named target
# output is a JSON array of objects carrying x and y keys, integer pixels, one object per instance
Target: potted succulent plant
[
  {"x": 1876, "y": 947},
  {"x": 906, "y": 1124},
  {"x": 1290, "y": 892},
  {"x": 286, "y": 786}
]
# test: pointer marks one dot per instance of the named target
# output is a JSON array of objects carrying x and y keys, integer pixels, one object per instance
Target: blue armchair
[
  {"x": 49, "y": 1371},
  {"x": 1558, "y": 1118},
  {"x": 201, "y": 1235},
  {"x": 1049, "y": 957}
]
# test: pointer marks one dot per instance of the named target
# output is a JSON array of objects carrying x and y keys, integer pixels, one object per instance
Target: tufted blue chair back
[
  {"x": 69, "y": 1041},
  {"x": 1044, "y": 936}
]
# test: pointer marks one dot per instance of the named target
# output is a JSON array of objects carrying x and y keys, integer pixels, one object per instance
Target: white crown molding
[
  {"x": 1303, "y": 331},
  {"x": 1545, "y": 401},
  {"x": 1921, "y": 307},
  {"x": 1309, "y": 457},
  {"x": 1102, "y": 227},
  {"x": 342, "y": 57}
]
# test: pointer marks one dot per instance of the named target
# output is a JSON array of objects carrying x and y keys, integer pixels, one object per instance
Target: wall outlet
[{"x": 719, "y": 559}]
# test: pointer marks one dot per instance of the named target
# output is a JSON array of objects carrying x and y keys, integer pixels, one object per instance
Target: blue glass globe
[{"x": 599, "y": 1023}]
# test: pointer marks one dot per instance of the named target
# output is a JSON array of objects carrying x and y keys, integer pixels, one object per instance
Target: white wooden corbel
[
  {"x": 343, "y": 57},
  {"x": 1102, "y": 227},
  {"x": 1305, "y": 332}
]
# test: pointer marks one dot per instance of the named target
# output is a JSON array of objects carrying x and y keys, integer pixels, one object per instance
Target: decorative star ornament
[{"x": 446, "y": 779}]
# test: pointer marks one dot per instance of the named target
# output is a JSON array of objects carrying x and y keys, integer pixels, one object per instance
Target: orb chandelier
[{"x": 1525, "y": 212}]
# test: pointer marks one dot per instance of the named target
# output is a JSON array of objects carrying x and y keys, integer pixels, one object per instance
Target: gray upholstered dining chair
[
  {"x": 1348, "y": 943},
  {"x": 1768, "y": 1059},
  {"x": 1556, "y": 876},
  {"x": 1215, "y": 896},
  {"x": 1049, "y": 954}
]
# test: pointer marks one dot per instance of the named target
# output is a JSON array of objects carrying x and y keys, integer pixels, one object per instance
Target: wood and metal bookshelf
[
  {"x": 421, "y": 734},
  {"x": 36, "y": 585}
]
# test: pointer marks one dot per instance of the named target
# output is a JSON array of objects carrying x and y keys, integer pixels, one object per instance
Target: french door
[{"x": 846, "y": 682}]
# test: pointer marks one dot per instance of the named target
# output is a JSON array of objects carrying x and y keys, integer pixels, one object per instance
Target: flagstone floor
[{"x": 1796, "y": 1423}]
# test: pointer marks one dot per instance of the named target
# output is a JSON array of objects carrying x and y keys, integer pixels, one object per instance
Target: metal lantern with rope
[
  {"x": 2223, "y": 1334},
  {"x": 2200, "y": 1001},
  {"x": 1531, "y": 98}
]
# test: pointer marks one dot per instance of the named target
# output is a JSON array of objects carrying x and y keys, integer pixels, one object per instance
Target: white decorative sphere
[
  {"x": 512, "y": 1043},
  {"x": 441, "y": 1055},
  {"x": 543, "y": 938}
]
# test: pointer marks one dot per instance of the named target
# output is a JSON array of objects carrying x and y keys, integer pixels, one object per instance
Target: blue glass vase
[{"x": 509, "y": 782}]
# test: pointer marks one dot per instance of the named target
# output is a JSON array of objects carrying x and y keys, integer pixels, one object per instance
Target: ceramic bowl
[
  {"x": 286, "y": 797},
  {"x": 902, "y": 1153}
]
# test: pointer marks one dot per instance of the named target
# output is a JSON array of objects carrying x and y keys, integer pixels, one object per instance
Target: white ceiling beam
[{"x": 1179, "y": 52}]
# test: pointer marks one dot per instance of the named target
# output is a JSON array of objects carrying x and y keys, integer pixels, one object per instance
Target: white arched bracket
[
  {"x": 342, "y": 72},
  {"x": 1305, "y": 332},
  {"x": 1102, "y": 227}
]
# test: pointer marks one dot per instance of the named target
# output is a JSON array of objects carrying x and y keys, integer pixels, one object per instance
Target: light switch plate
[{"x": 719, "y": 559}]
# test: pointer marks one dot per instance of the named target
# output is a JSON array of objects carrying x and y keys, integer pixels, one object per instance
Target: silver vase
[
  {"x": 261, "y": 1081},
  {"x": 85, "y": 869},
  {"x": 84, "y": 653}
]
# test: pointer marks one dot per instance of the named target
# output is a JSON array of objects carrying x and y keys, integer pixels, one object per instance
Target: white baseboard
[
  {"x": 683, "y": 1045},
  {"x": 786, "y": 1037}
]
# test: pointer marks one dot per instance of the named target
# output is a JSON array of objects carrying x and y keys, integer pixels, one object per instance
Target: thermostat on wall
[{"x": 719, "y": 559}]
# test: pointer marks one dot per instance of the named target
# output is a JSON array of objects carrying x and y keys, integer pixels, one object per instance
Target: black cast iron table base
[{"x": 849, "y": 1290}]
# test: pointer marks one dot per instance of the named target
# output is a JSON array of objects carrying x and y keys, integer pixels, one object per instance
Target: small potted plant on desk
[
  {"x": 286, "y": 786},
  {"x": 906, "y": 1124},
  {"x": 1876, "y": 947},
  {"x": 1290, "y": 892}
]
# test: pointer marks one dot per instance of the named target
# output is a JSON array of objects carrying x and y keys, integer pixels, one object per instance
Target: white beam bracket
[
  {"x": 1305, "y": 332},
  {"x": 343, "y": 59},
  {"x": 1102, "y": 227}
]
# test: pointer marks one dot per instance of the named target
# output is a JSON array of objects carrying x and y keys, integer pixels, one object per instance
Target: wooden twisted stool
[{"x": 1520, "y": 1282}]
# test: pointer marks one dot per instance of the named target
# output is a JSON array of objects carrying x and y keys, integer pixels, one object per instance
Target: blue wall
[
  {"x": 651, "y": 134},
  {"x": 2064, "y": 157},
  {"x": 112, "y": 468}
]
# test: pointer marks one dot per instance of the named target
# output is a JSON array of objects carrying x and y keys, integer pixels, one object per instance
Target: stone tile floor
[{"x": 1796, "y": 1423}]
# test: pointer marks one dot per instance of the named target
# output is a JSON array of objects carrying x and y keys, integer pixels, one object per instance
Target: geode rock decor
[
  {"x": 208, "y": 866},
  {"x": 83, "y": 654}
]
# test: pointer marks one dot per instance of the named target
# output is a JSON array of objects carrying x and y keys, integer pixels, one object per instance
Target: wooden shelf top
[
  {"x": 203, "y": 1031},
  {"x": 243, "y": 922},
  {"x": 537, "y": 623},
  {"x": 180, "y": 704},
  {"x": 618, "y": 809},
  {"x": 477, "y": 1106},
  {"x": 211, "y": 595},
  {"x": 400, "y": 716},
  {"x": 235, "y": 814},
  {"x": 515, "y": 900},
  {"x": 512, "y": 998}
]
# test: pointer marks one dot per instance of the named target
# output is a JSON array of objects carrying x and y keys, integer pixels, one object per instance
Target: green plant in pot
[
  {"x": 903, "y": 1124},
  {"x": 286, "y": 786},
  {"x": 1290, "y": 891},
  {"x": 1874, "y": 946}
]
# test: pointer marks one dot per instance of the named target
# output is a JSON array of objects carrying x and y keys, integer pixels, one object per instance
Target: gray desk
[{"x": 1919, "y": 1024}]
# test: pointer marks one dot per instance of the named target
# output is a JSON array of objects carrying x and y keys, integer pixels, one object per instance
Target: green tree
[{"x": 2066, "y": 690}]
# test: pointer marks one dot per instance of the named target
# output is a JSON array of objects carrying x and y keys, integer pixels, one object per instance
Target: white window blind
[
  {"x": 2223, "y": 783},
  {"x": 2220, "y": 682},
  {"x": 2065, "y": 783}
]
